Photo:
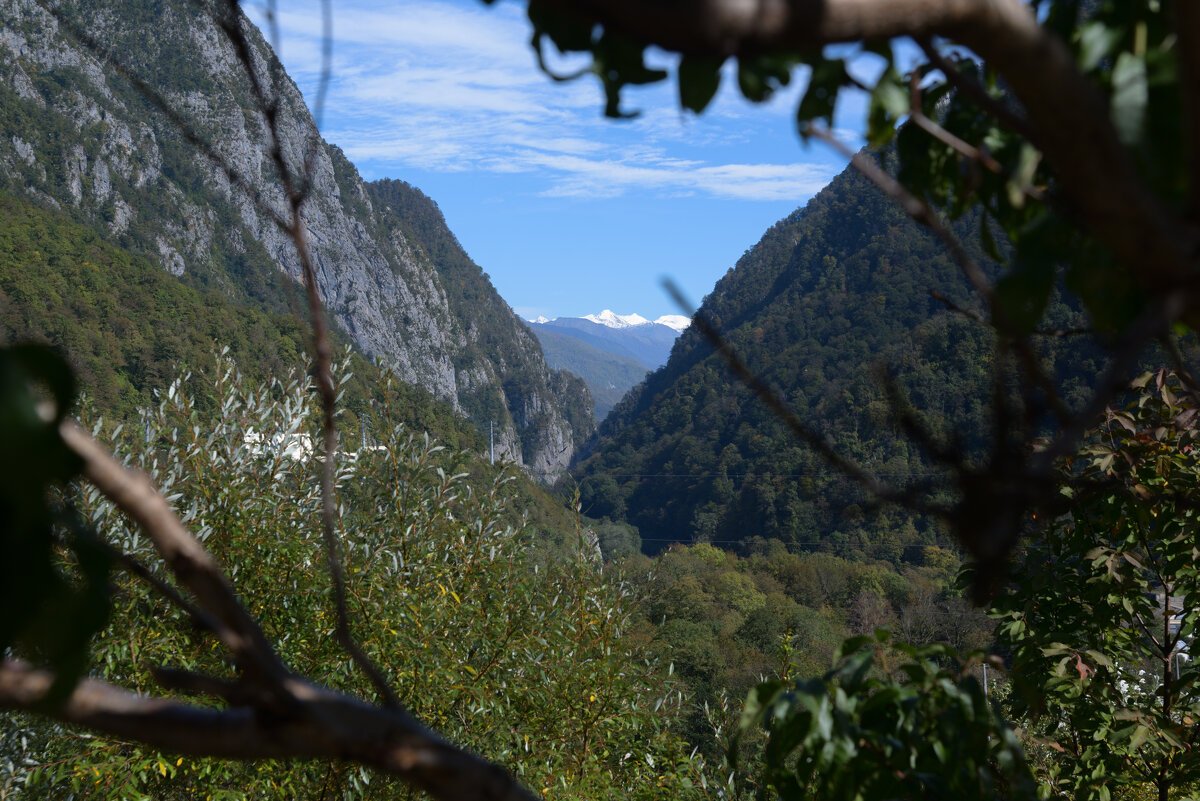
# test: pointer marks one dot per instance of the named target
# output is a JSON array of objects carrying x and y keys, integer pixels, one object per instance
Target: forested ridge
[
  {"x": 833, "y": 301},
  {"x": 609, "y": 376}
]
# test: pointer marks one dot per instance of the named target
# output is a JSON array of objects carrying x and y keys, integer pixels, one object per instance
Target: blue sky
[{"x": 568, "y": 212}]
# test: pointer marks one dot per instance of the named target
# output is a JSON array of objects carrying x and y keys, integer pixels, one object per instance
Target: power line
[{"x": 804, "y": 544}]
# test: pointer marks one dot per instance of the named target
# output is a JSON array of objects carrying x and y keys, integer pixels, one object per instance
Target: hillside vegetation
[{"x": 832, "y": 299}]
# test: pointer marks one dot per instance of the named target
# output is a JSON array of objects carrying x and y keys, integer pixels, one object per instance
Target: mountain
[
  {"x": 649, "y": 342},
  {"x": 608, "y": 375},
  {"x": 830, "y": 298},
  {"x": 79, "y": 139},
  {"x": 611, "y": 352}
]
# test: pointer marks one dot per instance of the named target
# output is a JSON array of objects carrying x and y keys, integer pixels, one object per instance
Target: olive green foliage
[
  {"x": 525, "y": 660},
  {"x": 1100, "y": 661},
  {"x": 723, "y": 621},
  {"x": 923, "y": 729},
  {"x": 126, "y": 326}
]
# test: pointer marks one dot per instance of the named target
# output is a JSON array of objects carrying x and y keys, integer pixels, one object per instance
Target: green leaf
[
  {"x": 699, "y": 78},
  {"x": 889, "y": 103},
  {"x": 1096, "y": 42},
  {"x": 759, "y": 76},
  {"x": 820, "y": 97}
]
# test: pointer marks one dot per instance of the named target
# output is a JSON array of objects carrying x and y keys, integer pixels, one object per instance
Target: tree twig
[
  {"x": 296, "y": 190},
  {"x": 980, "y": 96}
]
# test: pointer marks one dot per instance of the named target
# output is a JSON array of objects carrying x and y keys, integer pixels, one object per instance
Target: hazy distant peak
[
  {"x": 677, "y": 321},
  {"x": 613, "y": 320},
  {"x": 540, "y": 319}
]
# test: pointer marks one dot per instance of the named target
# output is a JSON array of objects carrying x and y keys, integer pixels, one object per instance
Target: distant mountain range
[{"x": 611, "y": 352}]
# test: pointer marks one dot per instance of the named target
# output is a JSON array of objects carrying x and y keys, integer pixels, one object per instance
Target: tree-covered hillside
[
  {"x": 828, "y": 299},
  {"x": 128, "y": 328}
]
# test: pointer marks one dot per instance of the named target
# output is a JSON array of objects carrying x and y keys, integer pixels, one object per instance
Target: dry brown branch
[
  {"x": 133, "y": 493},
  {"x": 916, "y": 115},
  {"x": 320, "y": 725},
  {"x": 274, "y": 713}
]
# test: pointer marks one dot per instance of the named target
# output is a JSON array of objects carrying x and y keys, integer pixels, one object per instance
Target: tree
[
  {"x": 923, "y": 730},
  {"x": 1104, "y": 605}
]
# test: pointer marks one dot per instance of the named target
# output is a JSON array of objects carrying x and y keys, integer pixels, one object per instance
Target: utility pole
[{"x": 492, "y": 441}]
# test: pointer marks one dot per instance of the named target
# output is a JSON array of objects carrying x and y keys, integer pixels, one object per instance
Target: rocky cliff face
[{"x": 77, "y": 134}]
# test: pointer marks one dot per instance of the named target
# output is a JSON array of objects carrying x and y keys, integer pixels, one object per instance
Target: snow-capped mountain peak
[
  {"x": 676, "y": 321},
  {"x": 540, "y": 320},
  {"x": 611, "y": 319}
]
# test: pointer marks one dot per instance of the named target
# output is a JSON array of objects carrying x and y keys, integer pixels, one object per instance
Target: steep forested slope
[
  {"x": 129, "y": 328},
  {"x": 77, "y": 136},
  {"x": 830, "y": 295}
]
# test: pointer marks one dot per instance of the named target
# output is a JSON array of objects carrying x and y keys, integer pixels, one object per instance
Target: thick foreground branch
[
  {"x": 321, "y": 725},
  {"x": 1069, "y": 113},
  {"x": 189, "y": 562}
]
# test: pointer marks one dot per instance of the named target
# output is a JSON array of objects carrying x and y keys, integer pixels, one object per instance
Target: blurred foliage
[
  {"x": 923, "y": 729},
  {"x": 53, "y": 574},
  {"x": 1102, "y": 664}
]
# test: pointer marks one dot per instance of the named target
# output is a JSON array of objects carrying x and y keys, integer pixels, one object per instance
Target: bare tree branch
[
  {"x": 133, "y": 493},
  {"x": 1006, "y": 116},
  {"x": 321, "y": 725},
  {"x": 296, "y": 188},
  {"x": 916, "y": 115}
]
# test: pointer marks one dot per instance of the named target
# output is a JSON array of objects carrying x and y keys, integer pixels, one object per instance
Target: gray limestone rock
[{"x": 129, "y": 169}]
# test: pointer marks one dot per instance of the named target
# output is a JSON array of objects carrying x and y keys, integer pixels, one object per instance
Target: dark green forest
[{"x": 832, "y": 304}]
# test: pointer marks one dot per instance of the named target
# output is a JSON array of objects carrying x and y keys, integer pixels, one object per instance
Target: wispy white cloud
[{"x": 452, "y": 86}]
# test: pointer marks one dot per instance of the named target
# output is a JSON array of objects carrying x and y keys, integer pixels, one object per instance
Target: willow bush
[{"x": 522, "y": 658}]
